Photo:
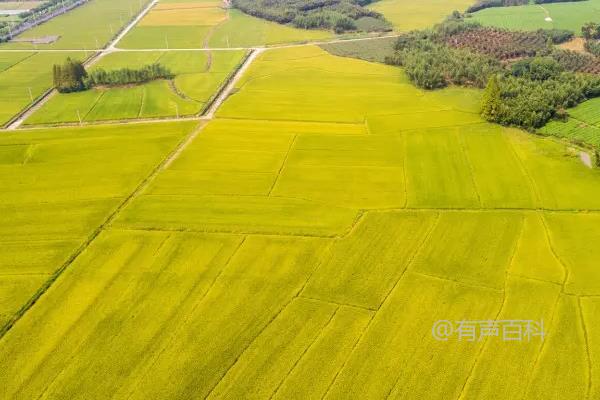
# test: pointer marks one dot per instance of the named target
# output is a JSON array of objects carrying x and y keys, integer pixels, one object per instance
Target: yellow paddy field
[{"x": 300, "y": 245}]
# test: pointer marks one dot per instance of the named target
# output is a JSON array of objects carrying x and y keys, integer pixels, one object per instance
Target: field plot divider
[
  {"x": 507, "y": 276},
  {"x": 73, "y": 257},
  {"x": 18, "y": 119}
]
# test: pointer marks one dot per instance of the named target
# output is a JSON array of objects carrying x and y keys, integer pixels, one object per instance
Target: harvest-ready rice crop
[{"x": 301, "y": 244}]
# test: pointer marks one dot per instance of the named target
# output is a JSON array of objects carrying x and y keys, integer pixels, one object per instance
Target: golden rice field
[
  {"x": 410, "y": 15},
  {"x": 300, "y": 245}
]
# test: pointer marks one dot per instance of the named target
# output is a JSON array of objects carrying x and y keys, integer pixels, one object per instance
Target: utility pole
[
  {"x": 30, "y": 94},
  {"x": 79, "y": 116}
]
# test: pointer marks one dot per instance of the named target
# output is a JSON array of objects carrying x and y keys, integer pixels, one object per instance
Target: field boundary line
[
  {"x": 556, "y": 303},
  {"x": 354, "y": 346},
  {"x": 587, "y": 349},
  {"x": 486, "y": 342},
  {"x": 142, "y": 100},
  {"x": 336, "y": 303},
  {"x": 326, "y": 251},
  {"x": 404, "y": 143},
  {"x": 409, "y": 262},
  {"x": 243, "y": 351},
  {"x": 257, "y": 47},
  {"x": 229, "y": 85},
  {"x": 457, "y": 281},
  {"x": 111, "y": 45},
  {"x": 186, "y": 318},
  {"x": 287, "y": 154},
  {"x": 463, "y": 147},
  {"x": 95, "y": 233},
  {"x": 525, "y": 171},
  {"x": 18, "y": 62},
  {"x": 208, "y": 103},
  {"x": 312, "y": 343}
]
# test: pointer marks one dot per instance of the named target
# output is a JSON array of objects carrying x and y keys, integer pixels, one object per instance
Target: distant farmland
[
  {"x": 562, "y": 15},
  {"x": 198, "y": 75}
]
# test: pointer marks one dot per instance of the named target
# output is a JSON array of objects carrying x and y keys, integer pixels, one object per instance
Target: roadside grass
[
  {"x": 567, "y": 15},
  {"x": 194, "y": 86},
  {"x": 22, "y": 72},
  {"x": 60, "y": 185},
  {"x": 90, "y": 26}
]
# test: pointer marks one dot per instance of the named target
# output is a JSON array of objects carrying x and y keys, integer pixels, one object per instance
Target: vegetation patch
[
  {"x": 72, "y": 76},
  {"x": 338, "y": 15}
]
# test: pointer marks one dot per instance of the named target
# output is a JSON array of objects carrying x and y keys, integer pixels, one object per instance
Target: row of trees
[
  {"x": 73, "y": 77},
  {"x": 339, "y": 15}
]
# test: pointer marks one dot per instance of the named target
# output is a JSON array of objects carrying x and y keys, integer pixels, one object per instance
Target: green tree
[
  {"x": 492, "y": 101},
  {"x": 70, "y": 76}
]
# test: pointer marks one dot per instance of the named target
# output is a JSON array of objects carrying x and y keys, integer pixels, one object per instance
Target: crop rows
[{"x": 498, "y": 43}]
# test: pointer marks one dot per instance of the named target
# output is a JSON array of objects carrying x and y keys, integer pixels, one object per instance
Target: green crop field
[
  {"x": 583, "y": 124},
  {"x": 90, "y": 26},
  {"x": 198, "y": 75},
  {"x": 24, "y": 76},
  {"x": 303, "y": 241},
  {"x": 567, "y": 15}
]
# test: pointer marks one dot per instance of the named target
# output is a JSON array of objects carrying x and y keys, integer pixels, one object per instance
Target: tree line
[
  {"x": 72, "y": 76},
  {"x": 526, "y": 93},
  {"x": 338, "y": 15}
]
